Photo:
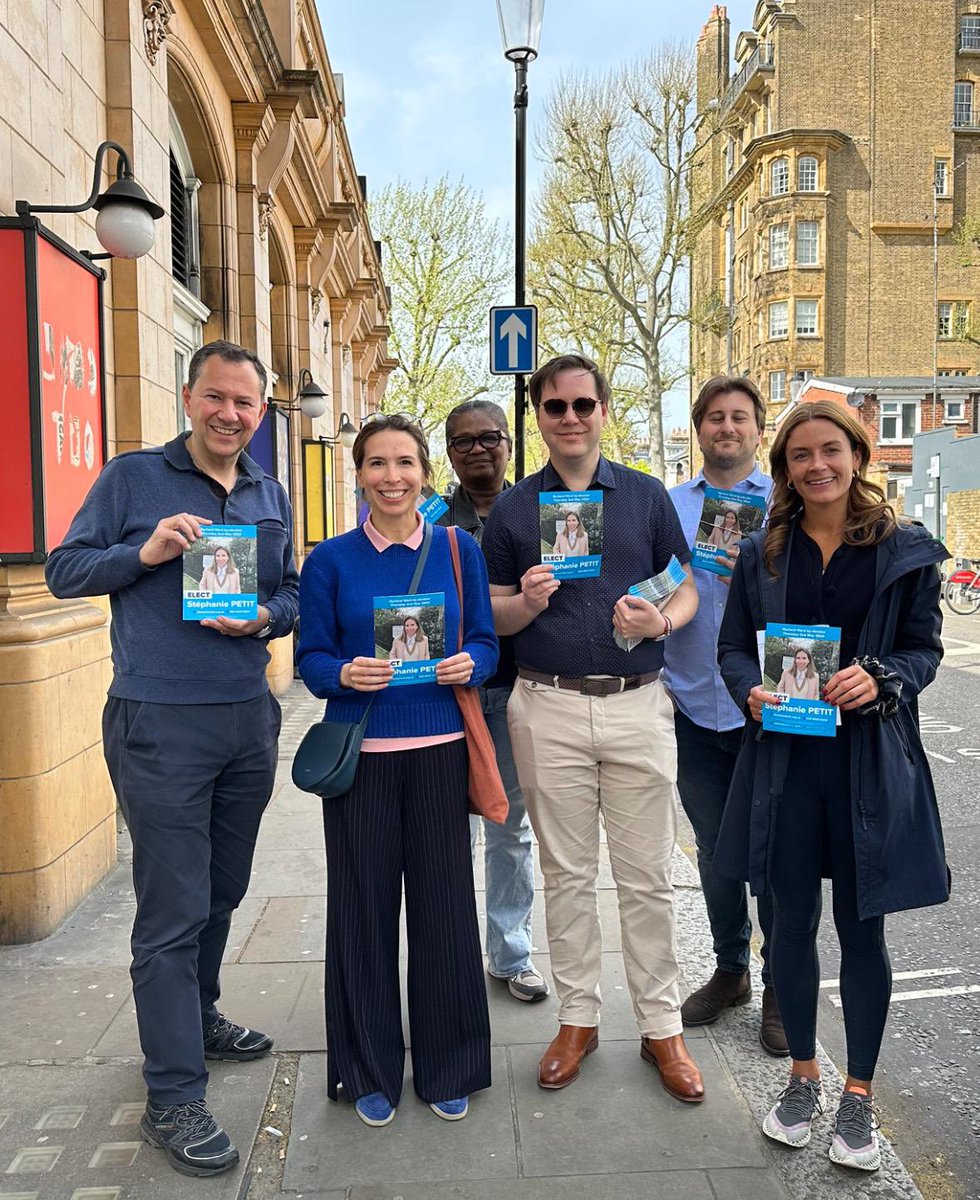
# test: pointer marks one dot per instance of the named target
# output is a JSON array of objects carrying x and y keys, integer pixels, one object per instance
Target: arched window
[
  {"x": 779, "y": 177},
  {"x": 806, "y": 173},
  {"x": 190, "y": 314}
]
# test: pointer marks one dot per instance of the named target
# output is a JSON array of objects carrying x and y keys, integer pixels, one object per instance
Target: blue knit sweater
[{"x": 338, "y": 584}]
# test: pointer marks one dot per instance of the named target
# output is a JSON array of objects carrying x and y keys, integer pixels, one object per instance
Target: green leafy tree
[{"x": 445, "y": 261}]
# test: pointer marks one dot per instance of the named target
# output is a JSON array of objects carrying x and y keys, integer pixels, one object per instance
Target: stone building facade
[
  {"x": 234, "y": 121},
  {"x": 835, "y": 160}
]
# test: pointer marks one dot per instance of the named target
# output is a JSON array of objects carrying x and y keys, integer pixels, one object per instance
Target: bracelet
[
  {"x": 889, "y": 683},
  {"x": 668, "y": 629}
]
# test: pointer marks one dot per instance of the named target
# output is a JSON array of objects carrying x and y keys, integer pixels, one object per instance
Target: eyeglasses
[
  {"x": 582, "y": 406},
  {"x": 489, "y": 440}
]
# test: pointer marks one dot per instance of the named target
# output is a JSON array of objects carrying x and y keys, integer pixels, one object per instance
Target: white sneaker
[
  {"x": 790, "y": 1118},
  {"x": 528, "y": 985}
]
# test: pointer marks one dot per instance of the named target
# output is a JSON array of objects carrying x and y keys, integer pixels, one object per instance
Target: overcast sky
[{"x": 429, "y": 93}]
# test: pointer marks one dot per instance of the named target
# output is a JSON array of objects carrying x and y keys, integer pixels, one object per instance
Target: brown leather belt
[{"x": 591, "y": 685}]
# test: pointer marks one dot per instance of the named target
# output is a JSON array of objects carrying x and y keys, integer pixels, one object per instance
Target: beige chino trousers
[{"x": 578, "y": 757}]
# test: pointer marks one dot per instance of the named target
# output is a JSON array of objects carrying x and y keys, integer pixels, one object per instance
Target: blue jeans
[
  {"x": 705, "y": 762},
  {"x": 508, "y": 856}
]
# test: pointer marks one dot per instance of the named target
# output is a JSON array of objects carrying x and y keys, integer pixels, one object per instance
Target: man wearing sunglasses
[
  {"x": 591, "y": 725},
  {"x": 479, "y": 446}
]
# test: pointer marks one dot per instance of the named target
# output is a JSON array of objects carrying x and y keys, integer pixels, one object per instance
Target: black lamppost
[
  {"x": 520, "y": 31},
  {"x": 311, "y": 401},
  {"x": 126, "y": 222}
]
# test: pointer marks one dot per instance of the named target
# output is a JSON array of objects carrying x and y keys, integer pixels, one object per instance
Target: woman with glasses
[
  {"x": 405, "y": 820},
  {"x": 860, "y": 804}
]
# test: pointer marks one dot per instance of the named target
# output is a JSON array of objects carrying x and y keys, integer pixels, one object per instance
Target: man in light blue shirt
[{"x": 729, "y": 417}]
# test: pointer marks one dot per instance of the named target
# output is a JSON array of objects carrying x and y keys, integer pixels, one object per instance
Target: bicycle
[{"x": 962, "y": 589}]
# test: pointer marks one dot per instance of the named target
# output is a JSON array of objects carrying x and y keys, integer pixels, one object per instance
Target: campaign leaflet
[
  {"x": 432, "y": 507},
  {"x": 571, "y": 533},
  {"x": 656, "y": 589},
  {"x": 797, "y": 662},
  {"x": 726, "y": 518},
  {"x": 410, "y": 633},
  {"x": 221, "y": 574}
]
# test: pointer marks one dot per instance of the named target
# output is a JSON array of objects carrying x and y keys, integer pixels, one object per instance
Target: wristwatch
[{"x": 263, "y": 633}]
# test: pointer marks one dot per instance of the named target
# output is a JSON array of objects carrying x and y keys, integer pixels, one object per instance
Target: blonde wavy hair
[{"x": 870, "y": 518}]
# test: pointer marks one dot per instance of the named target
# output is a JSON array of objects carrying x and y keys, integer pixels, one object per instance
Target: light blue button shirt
[{"x": 690, "y": 655}]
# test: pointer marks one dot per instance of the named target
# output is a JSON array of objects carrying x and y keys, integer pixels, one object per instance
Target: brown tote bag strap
[{"x": 458, "y": 576}]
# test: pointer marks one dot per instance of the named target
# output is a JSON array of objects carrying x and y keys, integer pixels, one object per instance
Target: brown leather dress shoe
[
  {"x": 562, "y": 1061},
  {"x": 678, "y": 1072}
]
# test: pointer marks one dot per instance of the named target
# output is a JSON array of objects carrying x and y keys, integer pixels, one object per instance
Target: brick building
[
  {"x": 893, "y": 411},
  {"x": 836, "y": 157}
]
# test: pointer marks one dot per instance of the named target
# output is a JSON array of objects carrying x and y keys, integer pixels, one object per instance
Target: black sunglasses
[
  {"x": 489, "y": 440},
  {"x": 583, "y": 406}
]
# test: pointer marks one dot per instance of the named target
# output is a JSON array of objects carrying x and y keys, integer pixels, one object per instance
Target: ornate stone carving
[
  {"x": 156, "y": 18},
  {"x": 316, "y": 299},
  {"x": 266, "y": 206}
]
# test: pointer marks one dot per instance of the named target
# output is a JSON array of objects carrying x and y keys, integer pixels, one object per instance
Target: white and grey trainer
[
  {"x": 855, "y": 1141},
  {"x": 528, "y": 985},
  {"x": 790, "y": 1118}
]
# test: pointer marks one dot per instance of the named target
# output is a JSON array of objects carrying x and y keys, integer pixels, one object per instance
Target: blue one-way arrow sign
[{"x": 513, "y": 340}]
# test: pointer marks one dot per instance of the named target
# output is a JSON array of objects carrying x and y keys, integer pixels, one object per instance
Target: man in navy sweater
[{"x": 190, "y": 728}]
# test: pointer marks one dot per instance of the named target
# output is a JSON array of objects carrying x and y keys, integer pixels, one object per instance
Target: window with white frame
[
  {"x": 941, "y": 177},
  {"x": 806, "y": 173},
  {"x": 899, "y": 420},
  {"x": 779, "y": 177},
  {"x": 970, "y": 32},
  {"x": 807, "y": 243},
  {"x": 779, "y": 319},
  {"x": 962, "y": 103},
  {"x": 953, "y": 371},
  {"x": 806, "y": 318},
  {"x": 954, "y": 411},
  {"x": 743, "y": 214},
  {"x": 777, "y": 386},
  {"x": 953, "y": 319},
  {"x": 778, "y": 246}
]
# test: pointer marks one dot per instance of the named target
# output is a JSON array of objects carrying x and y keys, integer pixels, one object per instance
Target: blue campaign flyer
[
  {"x": 571, "y": 533},
  {"x": 432, "y": 507},
  {"x": 797, "y": 662},
  {"x": 410, "y": 632},
  {"x": 726, "y": 518},
  {"x": 221, "y": 572}
]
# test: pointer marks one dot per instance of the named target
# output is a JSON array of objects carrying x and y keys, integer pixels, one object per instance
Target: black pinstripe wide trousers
[{"x": 405, "y": 818}]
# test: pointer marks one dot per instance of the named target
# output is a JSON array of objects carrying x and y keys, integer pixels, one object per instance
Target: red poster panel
[
  {"x": 72, "y": 401},
  {"x": 16, "y": 492}
]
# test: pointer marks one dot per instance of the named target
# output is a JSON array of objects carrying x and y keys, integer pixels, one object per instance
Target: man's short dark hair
[
  {"x": 229, "y": 352},
  {"x": 493, "y": 410},
  {"x": 717, "y": 386},
  {"x": 567, "y": 362}
]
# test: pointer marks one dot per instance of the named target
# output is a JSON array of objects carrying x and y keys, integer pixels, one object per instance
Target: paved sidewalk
[{"x": 71, "y": 1092}]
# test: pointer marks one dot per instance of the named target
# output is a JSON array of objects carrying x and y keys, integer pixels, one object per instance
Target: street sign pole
[{"x": 520, "y": 235}]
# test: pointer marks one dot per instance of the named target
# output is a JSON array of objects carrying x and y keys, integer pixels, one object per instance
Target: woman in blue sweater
[{"x": 405, "y": 818}]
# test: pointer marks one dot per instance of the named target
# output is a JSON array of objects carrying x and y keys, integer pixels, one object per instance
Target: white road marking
[
  {"x": 935, "y": 973},
  {"x": 925, "y": 994},
  {"x": 941, "y": 757}
]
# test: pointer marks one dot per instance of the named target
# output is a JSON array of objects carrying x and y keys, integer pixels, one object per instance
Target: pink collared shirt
[{"x": 387, "y": 745}]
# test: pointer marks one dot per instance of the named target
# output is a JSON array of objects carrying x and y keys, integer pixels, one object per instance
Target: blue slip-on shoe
[
  {"x": 451, "y": 1110},
  {"x": 195, "y": 1144},
  {"x": 375, "y": 1109}
]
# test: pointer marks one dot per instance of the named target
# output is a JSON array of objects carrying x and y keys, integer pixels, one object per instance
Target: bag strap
[
  {"x": 413, "y": 587},
  {"x": 458, "y": 576}
]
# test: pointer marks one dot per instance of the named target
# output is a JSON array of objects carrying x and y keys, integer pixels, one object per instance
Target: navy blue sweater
[
  {"x": 156, "y": 655},
  {"x": 336, "y": 602}
]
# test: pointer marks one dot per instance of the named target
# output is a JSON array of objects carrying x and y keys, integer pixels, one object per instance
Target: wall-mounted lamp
[
  {"x": 126, "y": 222},
  {"x": 311, "y": 399},
  {"x": 346, "y": 433}
]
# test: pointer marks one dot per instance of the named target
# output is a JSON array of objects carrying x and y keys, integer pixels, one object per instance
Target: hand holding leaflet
[{"x": 657, "y": 590}]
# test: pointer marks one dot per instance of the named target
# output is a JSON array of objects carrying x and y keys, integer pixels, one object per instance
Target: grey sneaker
[
  {"x": 790, "y": 1118},
  {"x": 855, "y": 1142},
  {"x": 528, "y": 985}
]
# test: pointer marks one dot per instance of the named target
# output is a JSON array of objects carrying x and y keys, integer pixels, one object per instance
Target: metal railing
[
  {"x": 963, "y": 115},
  {"x": 763, "y": 57}
]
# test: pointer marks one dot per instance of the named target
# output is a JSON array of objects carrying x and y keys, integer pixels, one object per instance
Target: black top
[
  {"x": 840, "y": 595},
  {"x": 574, "y": 634}
]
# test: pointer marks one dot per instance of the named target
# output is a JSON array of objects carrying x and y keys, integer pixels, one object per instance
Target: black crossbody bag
[{"x": 326, "y": 761}]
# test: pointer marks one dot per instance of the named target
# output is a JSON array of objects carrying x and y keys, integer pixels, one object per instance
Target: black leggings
[{"x": 813, "y": 832}]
